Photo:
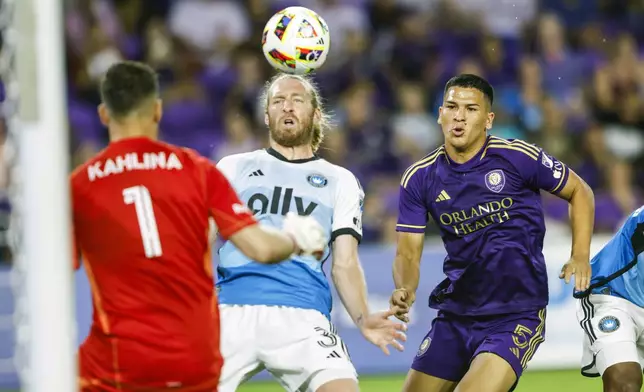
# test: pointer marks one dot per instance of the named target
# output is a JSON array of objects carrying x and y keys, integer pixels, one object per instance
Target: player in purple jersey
[{"x": 484, "y": 194}]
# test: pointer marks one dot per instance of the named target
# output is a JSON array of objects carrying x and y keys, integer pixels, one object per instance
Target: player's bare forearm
[
  {"x": 582, "y": 218},
  {"x": 582, "y": 214},
  {"x": 348, "y": 278},
  {"x": 406, "y": 269},
  {"x": 263, "y": 244}
]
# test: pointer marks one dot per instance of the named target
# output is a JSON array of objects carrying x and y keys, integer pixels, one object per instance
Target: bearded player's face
[
  {"x": 290, "y": 113},
  {"x": 464, "y": 117}
]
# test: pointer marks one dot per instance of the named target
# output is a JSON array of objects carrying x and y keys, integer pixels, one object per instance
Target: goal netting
[{"x": 34, "y": 109}]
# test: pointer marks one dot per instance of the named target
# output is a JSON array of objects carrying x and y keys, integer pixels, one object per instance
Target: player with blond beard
[{"x": 278, "y": 317}]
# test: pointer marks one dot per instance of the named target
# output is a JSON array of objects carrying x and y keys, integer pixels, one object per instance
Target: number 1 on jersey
[{"x": 140, "y": 197}]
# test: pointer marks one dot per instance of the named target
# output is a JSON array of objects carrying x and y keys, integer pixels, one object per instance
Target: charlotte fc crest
[{"x": 495, "y": 180}]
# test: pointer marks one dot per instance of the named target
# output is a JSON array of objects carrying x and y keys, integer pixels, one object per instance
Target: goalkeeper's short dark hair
[{"x": 127, "y": 85}]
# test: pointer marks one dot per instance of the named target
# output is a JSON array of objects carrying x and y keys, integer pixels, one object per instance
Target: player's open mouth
[
  {"x": 288, "y": 121},
  {"x": 458, "y": 131}
]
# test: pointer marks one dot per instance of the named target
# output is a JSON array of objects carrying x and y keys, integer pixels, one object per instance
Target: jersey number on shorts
[
  {"x": 140, "y": 197},
  {"x": 328, "y": 338}
]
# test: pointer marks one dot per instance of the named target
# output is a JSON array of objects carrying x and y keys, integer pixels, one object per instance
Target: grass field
[{"x": 556, "y": 381}]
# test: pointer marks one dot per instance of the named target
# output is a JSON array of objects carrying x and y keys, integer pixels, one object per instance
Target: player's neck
[
  {"x": 131, "y": 130},
  {"x": 293, "y": 153},
  {"x": 462, "y": 156}
]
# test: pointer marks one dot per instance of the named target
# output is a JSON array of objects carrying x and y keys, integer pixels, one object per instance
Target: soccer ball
[{"x": 296, "y": 40}]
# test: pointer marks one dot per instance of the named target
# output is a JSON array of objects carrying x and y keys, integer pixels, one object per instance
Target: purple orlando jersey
[{"x": 491, "y": 221}]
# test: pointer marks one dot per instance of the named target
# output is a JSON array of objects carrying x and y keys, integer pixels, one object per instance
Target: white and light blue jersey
[
  {"x": 618, "y": 269},
  {"x": 272, "y": 186}
]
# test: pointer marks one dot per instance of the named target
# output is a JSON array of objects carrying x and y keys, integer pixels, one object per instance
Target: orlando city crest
[
  {"x": 495, "y": 180},
  {"x": 424, "y": 346}
]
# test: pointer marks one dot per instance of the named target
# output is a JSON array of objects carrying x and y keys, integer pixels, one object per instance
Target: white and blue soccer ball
[{"x": 296, "y": 40}]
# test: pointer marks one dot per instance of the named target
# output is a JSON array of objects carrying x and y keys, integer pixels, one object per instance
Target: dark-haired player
[
  {"x": 141, "y": 211},
  {"x": 484, "y": 194}
]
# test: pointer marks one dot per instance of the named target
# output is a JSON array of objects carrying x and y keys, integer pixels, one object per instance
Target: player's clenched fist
[
  {"x": 308, "y": 234},
  {"x": 400, "y": 302}
]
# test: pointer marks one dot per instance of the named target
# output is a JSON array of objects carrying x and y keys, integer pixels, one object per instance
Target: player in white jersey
[
  {"x": 278, "y": 317},
  {"x": 611, "y": 311}
]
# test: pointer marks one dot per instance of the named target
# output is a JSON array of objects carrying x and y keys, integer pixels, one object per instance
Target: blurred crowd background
[{"x": 568, "y": 76}]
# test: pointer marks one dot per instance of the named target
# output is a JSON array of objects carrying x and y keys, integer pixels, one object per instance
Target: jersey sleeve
[
  {"x": 412, "y": 210},
  {"x": 228, "y": 211},
  {"x": 347, "y": 211},
  {"x": 547, "y": 172},
  {"x": 228, "y": 167}
]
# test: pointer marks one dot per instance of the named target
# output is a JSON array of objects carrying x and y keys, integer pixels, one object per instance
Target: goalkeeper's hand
[{"x": 308, "y": 235}]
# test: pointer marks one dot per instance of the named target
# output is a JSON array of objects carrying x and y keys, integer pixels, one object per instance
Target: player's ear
[
  {"x": 489, "y": 121},
  {"x": 317, "y": 116},
  {"x": 440, "y": 115},
  {"x": 104, "y": 115},
  {"x": 158, "y": 111},
  {"x": 266, "y": 122}
]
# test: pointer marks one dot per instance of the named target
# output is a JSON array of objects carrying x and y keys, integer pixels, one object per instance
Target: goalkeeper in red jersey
[{"x": 141, "y": 211}]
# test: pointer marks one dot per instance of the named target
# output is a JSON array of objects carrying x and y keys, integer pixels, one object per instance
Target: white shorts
[
  {"x": 299, "y": 347},
  {"x": 614, "y": 333}
]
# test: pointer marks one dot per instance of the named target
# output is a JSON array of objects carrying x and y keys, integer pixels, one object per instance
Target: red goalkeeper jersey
[{"x": 140, "y": 217}]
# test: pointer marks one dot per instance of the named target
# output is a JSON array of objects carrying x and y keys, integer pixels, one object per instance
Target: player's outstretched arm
[
  {"x": 582, "y": 216},
  {"x": 406, "y": 271},
  {"x": 236, "y": 223},
  {"x": 265, "y": 244},
  {"x": 349, "y": 280}
]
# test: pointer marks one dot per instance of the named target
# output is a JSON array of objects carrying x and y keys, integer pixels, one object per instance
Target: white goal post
[{"x": 44, "y": 289}]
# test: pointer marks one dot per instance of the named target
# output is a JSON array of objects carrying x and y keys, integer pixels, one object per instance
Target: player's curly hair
[{"x": 319, "y": 128}]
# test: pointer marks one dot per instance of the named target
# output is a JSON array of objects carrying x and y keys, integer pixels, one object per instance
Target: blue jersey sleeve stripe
[
  {"x": 516, "y": 147},
  {"x": 429, "y": 158}
]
